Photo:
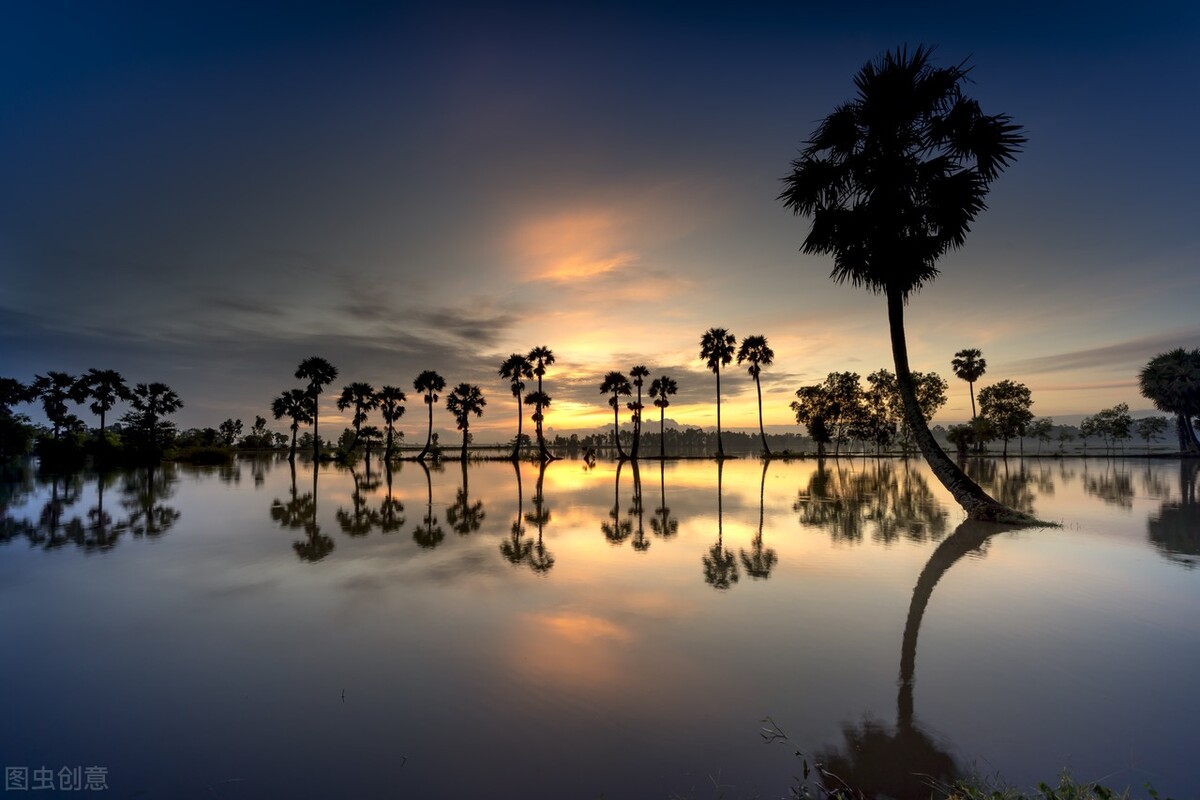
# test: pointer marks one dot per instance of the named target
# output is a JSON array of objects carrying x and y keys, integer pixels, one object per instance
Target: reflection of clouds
[{"x": 572, "y": 648}]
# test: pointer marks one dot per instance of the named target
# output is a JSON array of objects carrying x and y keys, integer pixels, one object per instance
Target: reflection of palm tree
[
  {"x": 640, "y": 542},
  {"x": 720, "y": 566},
  {"x": 102, "y": 533},
  {"x": 664, "y": 524},
  {"x": 639, "y": 374},
  {"x": 145, "y": 490},
  {"x": 616, "y": 529},
  {"x": 319, "y": 373},
  {"x": 541, "y": 560},
  {"x": 464, "y": 516},
  {"x": 847, "y": 502},
  {"x": 759, "y": 561},
  {"x": 661, "y": 389},
  {"x": 431, "y": 535},
  {"x": 361, "y": 519},
  {"x": 616, "y": 383},
  {"x": 755, "y": 350},
  {"x": 429, "y": 383},
  {"x": 301, "y": 513},
  {"x": 541, "y": 357},
  {"x": 391, "y": 510},
  {"x": 517, "y": 369},
  {"x": 1175, "y": 528},
  {"x": 893, "y": 180},
  {"x": 514, "y": 550},
  {"x": 716, "y": 348}
]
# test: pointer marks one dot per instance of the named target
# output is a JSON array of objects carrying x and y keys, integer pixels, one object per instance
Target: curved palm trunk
[
  {"x": 966, "y": 539},
  {"x": 1187, "y": 434},
  {"x": 428, "y": 436},
  {"x": 978, "y": 504},
  {"x": 761, "y": 431},
  {"x": 617, "y": 427},
  {"x": 516, "y": 453},
  {"x": 720, "y": 448}
]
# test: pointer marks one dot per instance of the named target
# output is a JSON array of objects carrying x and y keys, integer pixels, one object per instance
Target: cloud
[
  {"x": 1130, "y": 354},
  {"x": 572, "y": 246}
]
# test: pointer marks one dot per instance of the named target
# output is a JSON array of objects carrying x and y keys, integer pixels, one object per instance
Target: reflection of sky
[
  {"x": 616, "y": 669},
  {"x": 207, "y": 198}
]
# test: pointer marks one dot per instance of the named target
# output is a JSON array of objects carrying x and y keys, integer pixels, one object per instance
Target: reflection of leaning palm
[
  {"x": 906, "y": 763},
  {"x": 640, "y": 542},
  {"x": 145, "y": 490},
  {"x": 663, "y": 524},
  {"x": 514, "y": 550},
  {"x": 616, "y": 530},
  {"x": 391, "y": 510},
  {"x": 540, "y": 559},
  {"x": 464, "y": 516},
  {"x": 301, "y": 512}
]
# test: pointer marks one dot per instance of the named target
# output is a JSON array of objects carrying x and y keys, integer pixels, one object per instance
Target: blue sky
[{"x": 205, "y": 194}]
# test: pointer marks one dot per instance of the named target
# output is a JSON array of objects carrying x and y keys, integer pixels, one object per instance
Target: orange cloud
[{"x": 573, "y": 246}]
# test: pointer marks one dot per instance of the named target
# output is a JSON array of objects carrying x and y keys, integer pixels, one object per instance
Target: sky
[{"x": 205, "y": 194}]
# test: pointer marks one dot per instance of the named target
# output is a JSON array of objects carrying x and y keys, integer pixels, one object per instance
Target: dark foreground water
[{"x": 249, "y": 632}]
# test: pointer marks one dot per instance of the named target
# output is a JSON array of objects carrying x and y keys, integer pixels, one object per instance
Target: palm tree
[
  {"x": 1172, "y": 381},
  {"x": 638, "y": 373},
  {"x": 618, "y": 384},
  {"x": 319, "y": 373},
  {"x": 362, "y": 396},
  {"x": 661, "y": 389},
  {"x": 104, "y": 387},
  {"x": 541, "y": 357},
  {"x": 893, "y": 180},
  {"x": 297, "y": 404},
  {"x": 756, "y": 350},
  {"x": 429, "y": 383},
  {"x": 465, "y": 400},
  {"x": 151, "y": 402},
  {"x": 55, "y": 390},
  {"x": 517, "y": 368},
  {"x": 969, "y": 365},
  {"x": 716, "y": 348},
  {"x": 390, "y": 406}
]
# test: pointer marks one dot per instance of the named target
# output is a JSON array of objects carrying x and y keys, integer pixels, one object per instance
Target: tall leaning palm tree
[
  {"x": 319, "y": 373},
  {"x": 296, "y": 404},
  {"x": 364, "y": 400},
  {"x": 391, "y": 407},
  {"x": 893, "y": 180},
  {"x": 716, "y": 348},
  {"x": 429, "y": 383},
  {"x": 541, "y": 357},
  {"x": 517, "y": 369},
  {"x": 1172, "y": 381},
  {"x": 639, "y": 375},
  {"x": 661, "y": 389},
  {"x": 466, "y": 399},
  {"x": 756, "y": 350},
  {"x": 616, "y": 383},
  {"x": 969, "y": 365}
]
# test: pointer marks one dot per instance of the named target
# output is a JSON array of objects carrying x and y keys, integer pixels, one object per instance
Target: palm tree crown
[
  {"x": 466, "y": 399},
  {"x": 661, "y": 389},
  {"x": 517, "y": 369},
  {"x": 391, "y": 408},
  {"x": 297, "y": 404},
  {"x": 363, "y": 399},
  {"x": 616, "y": 383},
  {"x": 104, "y": 387},
  {"x": 542, "y": 357},
  {"x": 319, "y": 373},
  {"x": 1172, "y": 381}
]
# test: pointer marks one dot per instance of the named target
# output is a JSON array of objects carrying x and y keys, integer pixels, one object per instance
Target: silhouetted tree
[
  {"x": 893, "y": 180},
  {"x": 1149, "y": 428},
  {"x": 55, "y": 390},
  {"x": 541, "y": 357},
  {"x": 319, "y": 373},
  {"x": 661, "y": 389},
  {"x": 151, "y": 402},
  {"x": 230, "y": 430},
  {"x": 391, "y": 407},
  {"x": 517, "y": 369},
  {"x": 296, "y": 404},
  {"x": 616, "y": 383},
  {"x": 1006, "y": 405},
  {"x": 755, "y": 350},
  {"x": 465, "y": 400},
  {"x": 969, "y": 365},
  {"x": 104, "y": 387},
  {"x": 716, "y": 348},
  {"x": 1172, "y": 381},
  {"x": 364, "y": 400},
  {"x": 638, "y": 373},
  {"x": 429, "y": 383}
]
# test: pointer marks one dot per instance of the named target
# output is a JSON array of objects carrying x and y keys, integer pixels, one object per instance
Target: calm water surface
[{"x": 253, "y": 632}]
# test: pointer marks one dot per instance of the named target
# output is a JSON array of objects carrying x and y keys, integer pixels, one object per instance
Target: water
[{"x": 239, "y": 632}]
